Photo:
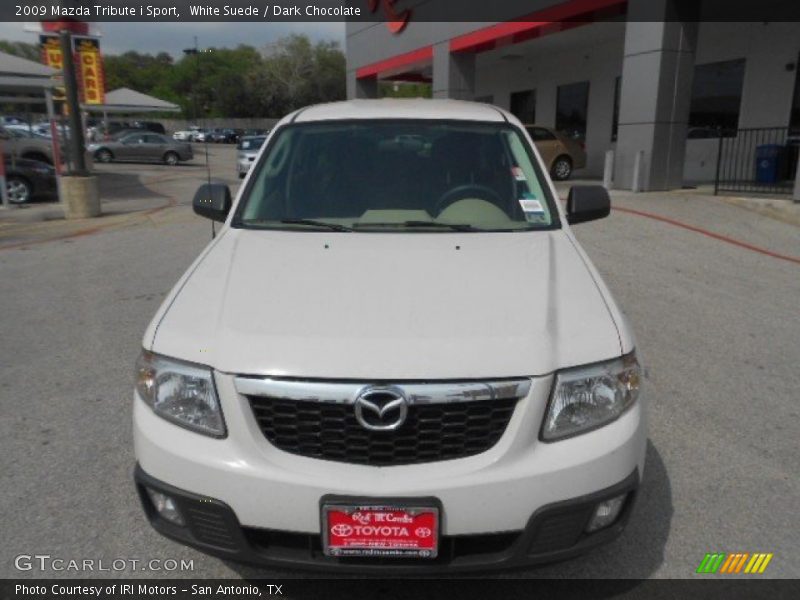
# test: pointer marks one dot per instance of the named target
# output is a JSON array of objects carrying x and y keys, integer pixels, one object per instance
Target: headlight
[
  {"x": 586, "y": 398},
  {"x": 181, "y": 392}
]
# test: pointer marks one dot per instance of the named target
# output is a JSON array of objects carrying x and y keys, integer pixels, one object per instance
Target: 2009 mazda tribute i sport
[{"x": 393, "y": 356}]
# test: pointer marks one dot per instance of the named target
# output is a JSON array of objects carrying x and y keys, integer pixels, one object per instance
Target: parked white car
[
  {"x": 392, "y": 356},
  {"x": 186, "y": 135}
]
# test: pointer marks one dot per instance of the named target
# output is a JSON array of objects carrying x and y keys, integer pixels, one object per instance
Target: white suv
[{"x": 394, "y": 355}]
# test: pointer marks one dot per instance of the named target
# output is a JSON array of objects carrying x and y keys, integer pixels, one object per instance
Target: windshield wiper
[
  {"x": 313, "y": 223},
  {"x": 435, "y": 224}
]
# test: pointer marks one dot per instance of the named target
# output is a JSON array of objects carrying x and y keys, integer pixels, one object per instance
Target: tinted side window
[{"x": 538, "y": 134}]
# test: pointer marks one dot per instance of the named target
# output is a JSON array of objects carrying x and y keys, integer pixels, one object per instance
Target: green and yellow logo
[{"x": 738, "y": 562}]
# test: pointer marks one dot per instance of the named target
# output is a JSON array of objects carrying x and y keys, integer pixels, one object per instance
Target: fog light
[
  {"x": 166, "y": 507},
  {"x": 606, "y": 513}
]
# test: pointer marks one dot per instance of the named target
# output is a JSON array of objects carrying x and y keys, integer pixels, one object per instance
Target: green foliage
[
  {"x": 228, "y": 82},
  {"x": 21, "y": 49},
  {"x": 389, "y": 89},
  {"x": 237, "y": 82}
]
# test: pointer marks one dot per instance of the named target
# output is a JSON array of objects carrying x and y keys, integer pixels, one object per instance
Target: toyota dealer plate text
[{"x": 380, "y": 531}]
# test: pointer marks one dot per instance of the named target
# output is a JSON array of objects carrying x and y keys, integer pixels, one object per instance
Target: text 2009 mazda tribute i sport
[{"x": 394, "y": 356}]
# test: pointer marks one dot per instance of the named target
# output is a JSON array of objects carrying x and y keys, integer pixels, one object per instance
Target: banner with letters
[{"x": 88, "y": 65}]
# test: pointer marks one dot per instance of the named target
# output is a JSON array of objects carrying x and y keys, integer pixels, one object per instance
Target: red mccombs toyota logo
[{"x": 396, "y": 20}]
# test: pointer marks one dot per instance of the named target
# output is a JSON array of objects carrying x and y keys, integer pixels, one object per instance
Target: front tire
[
  {"x": 103, "y": 155},
  {"x": 19, "y": 190},
  {"x": 171, "y": 159},
  {"x": 562, "y": 168}
]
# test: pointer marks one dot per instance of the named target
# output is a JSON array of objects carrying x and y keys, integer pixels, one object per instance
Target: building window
[
  {"x": 523, "y": 105},
  {"x": 615, "y": 115},
  {"x": 572, "y": 103},
  {"x": 716, "y": 97},
  {"x": 794, "y": 117}
]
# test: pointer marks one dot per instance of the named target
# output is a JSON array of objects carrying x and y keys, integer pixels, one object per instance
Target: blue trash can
[{"x": 768, "y": 162}]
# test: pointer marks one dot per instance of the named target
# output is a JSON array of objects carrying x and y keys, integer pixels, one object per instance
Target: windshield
[
  {"x": 251, "y": 143},
  {"x": 399, "y": 176}
]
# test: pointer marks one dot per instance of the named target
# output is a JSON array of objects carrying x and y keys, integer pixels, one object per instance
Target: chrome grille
[{"x": 444, "y": 421}]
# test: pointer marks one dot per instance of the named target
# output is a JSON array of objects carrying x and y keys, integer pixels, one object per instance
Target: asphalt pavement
[{"x": 712, "y": 291}]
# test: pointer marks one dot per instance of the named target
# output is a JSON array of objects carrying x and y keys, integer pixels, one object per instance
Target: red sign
[
  {"x": 381, "y": 531},
  {"x": 395, "y": 21}
]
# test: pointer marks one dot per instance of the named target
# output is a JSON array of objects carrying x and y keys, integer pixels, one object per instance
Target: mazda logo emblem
[{"x": 381, "y": 408}]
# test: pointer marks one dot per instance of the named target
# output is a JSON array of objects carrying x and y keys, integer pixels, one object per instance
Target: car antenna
[
  {"x": 208, "y": 173},
  {"x": 203, "y": 122}
]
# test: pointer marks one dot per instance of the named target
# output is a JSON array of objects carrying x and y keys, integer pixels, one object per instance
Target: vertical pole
[
  {"x": 51, "y": 118},
  {"x": 76, "y": 144},
  {"x": 608, "y": 169},
  {"x": 3, "y": 189},
  {"x": 719, "y": 162},
  {"x": 636, "y": 186}
]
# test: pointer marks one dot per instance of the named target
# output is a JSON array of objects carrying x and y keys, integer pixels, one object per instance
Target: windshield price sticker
[
  {"x": 531, "y": 206},
  {"x": 381, "y": 531}
]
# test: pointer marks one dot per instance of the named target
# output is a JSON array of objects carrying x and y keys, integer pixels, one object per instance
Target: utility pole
[
  {"x": 196, "y": 52},
  {"x": 76, "y": 143}
]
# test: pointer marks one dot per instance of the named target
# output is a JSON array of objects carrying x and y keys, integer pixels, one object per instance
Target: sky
[{"x": 153, "y": 38}]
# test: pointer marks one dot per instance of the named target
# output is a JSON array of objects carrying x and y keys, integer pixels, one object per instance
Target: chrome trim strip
[{"x": 415, "y": 393}]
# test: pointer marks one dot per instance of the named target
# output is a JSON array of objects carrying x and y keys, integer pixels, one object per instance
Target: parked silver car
[
  {"x": 246, "y": 153},
  {"x": 22, "y": 145},
  {"x": 142, "y": 146}
]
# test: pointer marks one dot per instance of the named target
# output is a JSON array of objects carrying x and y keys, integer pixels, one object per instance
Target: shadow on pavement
[
  {"x": 634, "y": 556},
  {"x": 123, "y": 186}
]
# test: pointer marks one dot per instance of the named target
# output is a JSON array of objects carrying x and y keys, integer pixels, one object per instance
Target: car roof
[{"x": 394, "y": 108}]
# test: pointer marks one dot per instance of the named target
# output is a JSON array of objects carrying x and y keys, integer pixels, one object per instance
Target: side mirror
[
  {"x": 587, "y": 203},
  {"x": 213, "y": 201}
]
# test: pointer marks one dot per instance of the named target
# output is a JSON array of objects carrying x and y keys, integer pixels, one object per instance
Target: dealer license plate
[{"x": 380, "y": 531}]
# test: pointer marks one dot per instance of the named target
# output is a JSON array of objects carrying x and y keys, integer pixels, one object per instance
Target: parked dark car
[
  {"x": 153, "y": 126},
  {"x": 142, "y": 146},
  {"x": 223, "y": 136},
  {"x": 28, "y": 179}
]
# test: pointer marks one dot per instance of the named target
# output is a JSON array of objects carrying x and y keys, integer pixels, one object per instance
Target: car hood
[{"x": 388, "y": 306}]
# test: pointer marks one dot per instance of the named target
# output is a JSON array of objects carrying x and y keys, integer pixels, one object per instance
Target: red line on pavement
[
  {"x": 711, "y": 234},
  {"x": 96, "y": 229}
]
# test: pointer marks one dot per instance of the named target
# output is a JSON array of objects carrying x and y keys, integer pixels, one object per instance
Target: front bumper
[
  {"x": 494, "y": 499},
  {"x": 554, "y": 532},
  {"x": 243, "y": 165}
]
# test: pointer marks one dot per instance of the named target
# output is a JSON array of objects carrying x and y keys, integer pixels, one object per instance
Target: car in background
[
  {"x": 186, "y": 135},
  {"x": 142, "y": 147},
  {"x": 12, "y": 120},
  {"x": 29, "y": 179},
  {"x": 27, "y": 131},
  {"x": 201, "y": 136},
  {"x": 223, "y": 136},
  {"x": 560, "y": 153},
  {"x": 21, "y": 145},
  {"x": 246, "y": 152},
  {"x": 153, "y": 126}
]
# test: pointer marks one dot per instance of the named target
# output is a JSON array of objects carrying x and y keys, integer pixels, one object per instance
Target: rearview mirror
[
  {"x": 213, "y": 201},
  {"x": 587, "y": 203}
]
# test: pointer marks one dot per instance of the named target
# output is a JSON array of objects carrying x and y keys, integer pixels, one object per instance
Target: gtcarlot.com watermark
[{"x": 48, "y": 563}]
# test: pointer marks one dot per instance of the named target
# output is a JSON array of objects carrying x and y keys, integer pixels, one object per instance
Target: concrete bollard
[
  {"x": 608, "y": 170},
  {"x": 636, "y": 185},
  {"x": 80, "y": 197}
]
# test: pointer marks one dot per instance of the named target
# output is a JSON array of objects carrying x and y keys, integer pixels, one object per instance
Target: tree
[
  {"x": 228, "y": 82},
  {"x": 21, "y": 49}
]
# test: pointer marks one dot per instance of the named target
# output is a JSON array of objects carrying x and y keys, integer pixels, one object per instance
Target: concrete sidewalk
[{"x": 780, "y": 208}]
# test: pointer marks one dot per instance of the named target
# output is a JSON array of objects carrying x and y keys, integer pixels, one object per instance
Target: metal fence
[{"x": 760, "y": 160}]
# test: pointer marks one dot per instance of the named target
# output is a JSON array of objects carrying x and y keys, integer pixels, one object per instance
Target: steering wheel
[{"x": 468, "y": 190}]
